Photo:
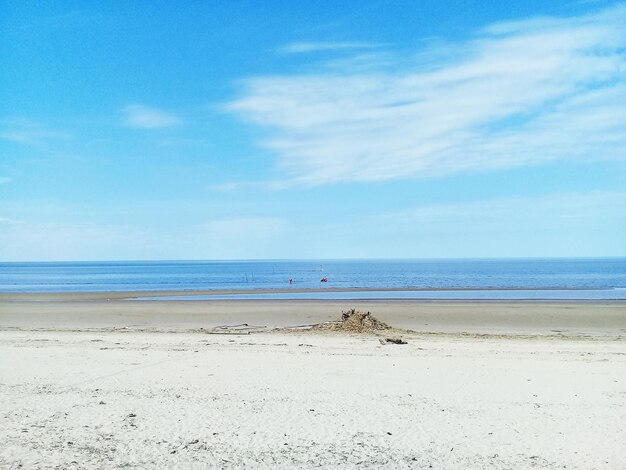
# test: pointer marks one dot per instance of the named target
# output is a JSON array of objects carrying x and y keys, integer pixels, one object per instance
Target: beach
[{"x": 101, "y": 381}]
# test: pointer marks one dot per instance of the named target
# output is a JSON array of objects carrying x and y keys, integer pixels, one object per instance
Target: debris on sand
[
  {"x": 392, "y": 340},
  {"x": 353, "y": 321}
]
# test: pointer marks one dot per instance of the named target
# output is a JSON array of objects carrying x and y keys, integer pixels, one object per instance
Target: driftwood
[{"x": 239, "y": 329}]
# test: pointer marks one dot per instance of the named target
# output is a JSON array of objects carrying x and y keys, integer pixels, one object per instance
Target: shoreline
[{"x": 127, "y": 295}]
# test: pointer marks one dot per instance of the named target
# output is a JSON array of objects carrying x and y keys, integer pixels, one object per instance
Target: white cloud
[
  {"x": 519, "y": 93},
  {"x": 145, "y": 117},
  {"x": 305, "y": 47}
]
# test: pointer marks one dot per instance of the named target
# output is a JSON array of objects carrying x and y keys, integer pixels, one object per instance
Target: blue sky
[{"x": 313, "y": 129}]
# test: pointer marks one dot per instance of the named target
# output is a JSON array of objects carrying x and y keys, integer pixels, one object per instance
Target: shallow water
[
  {"x": 491, "y": 294},
  {"x": 607, "y": 273}
]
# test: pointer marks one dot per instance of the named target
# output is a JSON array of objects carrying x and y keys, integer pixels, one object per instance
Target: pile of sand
[{"x": 353, "y": 321}]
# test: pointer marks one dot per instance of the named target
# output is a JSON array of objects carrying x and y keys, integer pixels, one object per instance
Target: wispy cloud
[
  {"x": 224, "y": 187},
  {"x": 559, "y": 224},
  {"x": 234, "y": 186},
  {"x": 26, "y": 131},
  {"x": 511, "y": 214},
  {"x": 238, "y": 228},
  {"x": 306, "y": 47},
  {"x": 5, "y": 221},
  {"x": 26, "y": 241},
  {"x": 145, "y": 117},
  {"x": 518, "y": 93}
]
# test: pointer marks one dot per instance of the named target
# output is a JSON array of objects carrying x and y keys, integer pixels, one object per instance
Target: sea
[{"x": 545, "y": 278}]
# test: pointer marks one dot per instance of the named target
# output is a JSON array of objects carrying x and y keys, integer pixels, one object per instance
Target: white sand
[{"x": 191, "y": 400}]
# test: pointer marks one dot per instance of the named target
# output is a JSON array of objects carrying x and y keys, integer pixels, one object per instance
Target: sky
[{"x": 313, "y": 129}]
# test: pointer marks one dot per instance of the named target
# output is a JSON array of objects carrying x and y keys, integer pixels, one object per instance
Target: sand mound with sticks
[{"x": 353, "y": 321}]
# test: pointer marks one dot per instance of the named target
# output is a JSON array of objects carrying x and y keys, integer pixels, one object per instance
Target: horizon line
[{"x": 239, "y": 260}]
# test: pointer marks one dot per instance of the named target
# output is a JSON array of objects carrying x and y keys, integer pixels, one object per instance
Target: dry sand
[{"x": 110, "y": 384}]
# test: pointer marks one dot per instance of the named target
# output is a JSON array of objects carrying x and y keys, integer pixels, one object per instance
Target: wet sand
[{"x": 116, "y": 310}]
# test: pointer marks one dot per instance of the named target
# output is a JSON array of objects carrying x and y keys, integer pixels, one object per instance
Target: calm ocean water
[{"x": 607, "y": 274}]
